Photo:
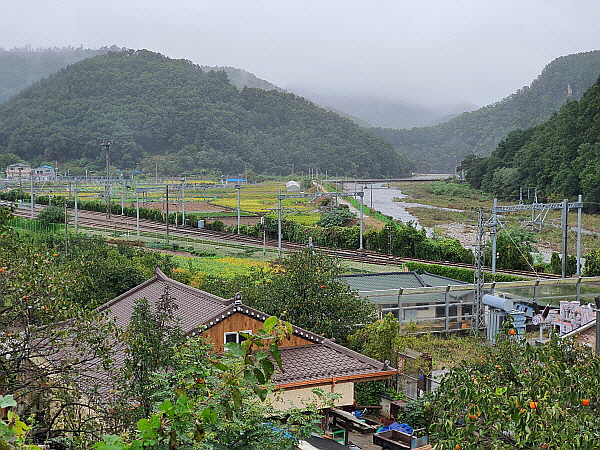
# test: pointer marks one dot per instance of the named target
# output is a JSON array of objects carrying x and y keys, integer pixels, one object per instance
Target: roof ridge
[{"x": 159, "y": 275}]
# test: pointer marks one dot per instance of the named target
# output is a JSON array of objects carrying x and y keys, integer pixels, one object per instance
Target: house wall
[
  {"x": 297, "y": 397},
  {"x": 240, "y": 322},
  {"x": 12, "y": 172}
]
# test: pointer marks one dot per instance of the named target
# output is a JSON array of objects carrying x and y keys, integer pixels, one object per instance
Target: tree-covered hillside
[
  {"x": 184, "y": 119},
  {"x": 561, "y": 157},
  {"x": 442, "y": 147}
]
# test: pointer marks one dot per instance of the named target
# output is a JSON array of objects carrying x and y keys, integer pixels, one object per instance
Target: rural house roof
[
  {"x": 321, "y": 362},
  {"x": 368, "y": 283}
]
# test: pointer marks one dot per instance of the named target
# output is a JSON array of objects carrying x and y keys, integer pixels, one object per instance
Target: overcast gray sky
[{"x": 429, "y": 51}]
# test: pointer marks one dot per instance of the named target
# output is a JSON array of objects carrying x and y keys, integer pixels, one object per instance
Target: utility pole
[
  {"x": 478, "y": 315},
  {"x": 167, "y": 210},
  {"x": 106, "y": 145},
  {"x": 239, "y": 210},
  {"x": 76, "y": 218},
  {"x": 32, "y": 198},
  {"x": 183, "y": 201}
]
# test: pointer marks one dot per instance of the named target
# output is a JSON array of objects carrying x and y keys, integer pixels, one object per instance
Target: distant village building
[
  {"x": 232, "y": 180},
  {"x": 292, "y": 186},
  {"x": 44, "y": 173},
  {"x": 21, "y": 171},
  {"x": 18, "y": 171}
]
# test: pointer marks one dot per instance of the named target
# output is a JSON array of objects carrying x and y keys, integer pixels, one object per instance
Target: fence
[
  {"x": 157, "y": 240},
  {"x": 444, "y": 308}
]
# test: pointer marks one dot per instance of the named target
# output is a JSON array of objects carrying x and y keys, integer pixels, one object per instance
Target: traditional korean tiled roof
[
  {"x": 194, "y": 307},
  {"x": 322, "y": 362}
]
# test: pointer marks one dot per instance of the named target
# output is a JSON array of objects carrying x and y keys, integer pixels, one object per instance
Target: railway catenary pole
[
  {"x": 494, "y": 235},
  {"x": 239, "y": 190},
  {"x": 579, "y": 200},
  {"x": 361, "y": 195},
  {"x": 167, "y": 211},
  {"x": 565, "y": 231},
  {"x": 137, "y": 212},
  {"x": 76, "y": 216},
  {"x": 279, "y": 223},
  {"x": 183, "y": 201},
  {"x": 32, "y": 196},
  {"x": 122, "y": 194},
  {"x": 478, "y": 315},
  {"x": 542, "y": 209},
  {"x": 106, "y": 145}
]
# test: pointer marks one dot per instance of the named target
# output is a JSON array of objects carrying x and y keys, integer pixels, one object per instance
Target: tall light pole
[
  {"x": 106, "y": 145},
  {"x": 32, "y": 195},
  {"x": 76, "y": 218},
  {"x": 239, "y": 189},
  {"x": 183, "y": 201}
]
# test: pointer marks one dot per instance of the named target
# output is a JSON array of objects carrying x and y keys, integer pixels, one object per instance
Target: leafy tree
[
  {"x": 221, "y": 403},
  {"x": 46, "y": 341},
  {"x": 52, "y": 214},
  {"x": 307, "y": 291},
  {"x": 151, "y": 339},
  {"x": 338, "y": 218},
  {"x": 520, "y": 396},
  {"x": 514, "y": 247}
]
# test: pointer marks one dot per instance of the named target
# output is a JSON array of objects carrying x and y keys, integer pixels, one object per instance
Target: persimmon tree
[
  {"x": 521, "y": 396},
  {"x": 46, "y": 341}
]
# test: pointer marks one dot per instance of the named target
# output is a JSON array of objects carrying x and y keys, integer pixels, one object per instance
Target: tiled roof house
[{"x": 308, "y": 360}]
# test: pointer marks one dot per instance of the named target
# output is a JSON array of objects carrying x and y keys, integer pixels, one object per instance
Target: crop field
[
  {"x": 262, "y": 199},
  {"x": 225, "y": 267}
]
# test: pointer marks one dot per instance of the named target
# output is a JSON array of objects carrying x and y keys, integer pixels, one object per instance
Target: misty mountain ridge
[
  {"x": 560, "y": 157},
  {"x": 384, "y": 112},
  {"x": 442, "y": 147},
  {"x": 172, "y": 114}
]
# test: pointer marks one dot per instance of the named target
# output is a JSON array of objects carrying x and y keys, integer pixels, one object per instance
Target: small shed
[{"x": 292, "y": 186}]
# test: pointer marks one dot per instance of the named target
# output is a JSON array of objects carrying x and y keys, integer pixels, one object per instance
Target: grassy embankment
[{"x": 460, "y": 196}]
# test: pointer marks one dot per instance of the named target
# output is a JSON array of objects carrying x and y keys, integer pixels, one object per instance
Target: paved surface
[{"x": 364, "y": 441}]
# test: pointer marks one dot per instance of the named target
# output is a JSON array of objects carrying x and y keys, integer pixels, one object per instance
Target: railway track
[{"x": 124, "y": 223}]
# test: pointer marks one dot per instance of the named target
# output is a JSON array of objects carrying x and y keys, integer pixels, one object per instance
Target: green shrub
[{"x": 52, "y": 214}]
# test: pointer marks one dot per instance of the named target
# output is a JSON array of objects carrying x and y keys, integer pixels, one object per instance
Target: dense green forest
[
  {"x": 170, "y": 114},
  {"x": 560, "y": 157},
  {"x": 442, "y": 147}
]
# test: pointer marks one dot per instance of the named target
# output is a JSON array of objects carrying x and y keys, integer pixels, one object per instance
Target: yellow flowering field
[{"x": 225, "y": 267}]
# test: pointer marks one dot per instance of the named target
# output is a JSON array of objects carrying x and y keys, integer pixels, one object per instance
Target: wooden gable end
[{"x": 240, "y": 322}]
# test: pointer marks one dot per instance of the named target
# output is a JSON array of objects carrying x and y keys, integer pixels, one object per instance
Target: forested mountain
[
  {"x": 442, "y": 147},
  {"x": 560, "y": 157},
  {"x": 185, "y": 120}
]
